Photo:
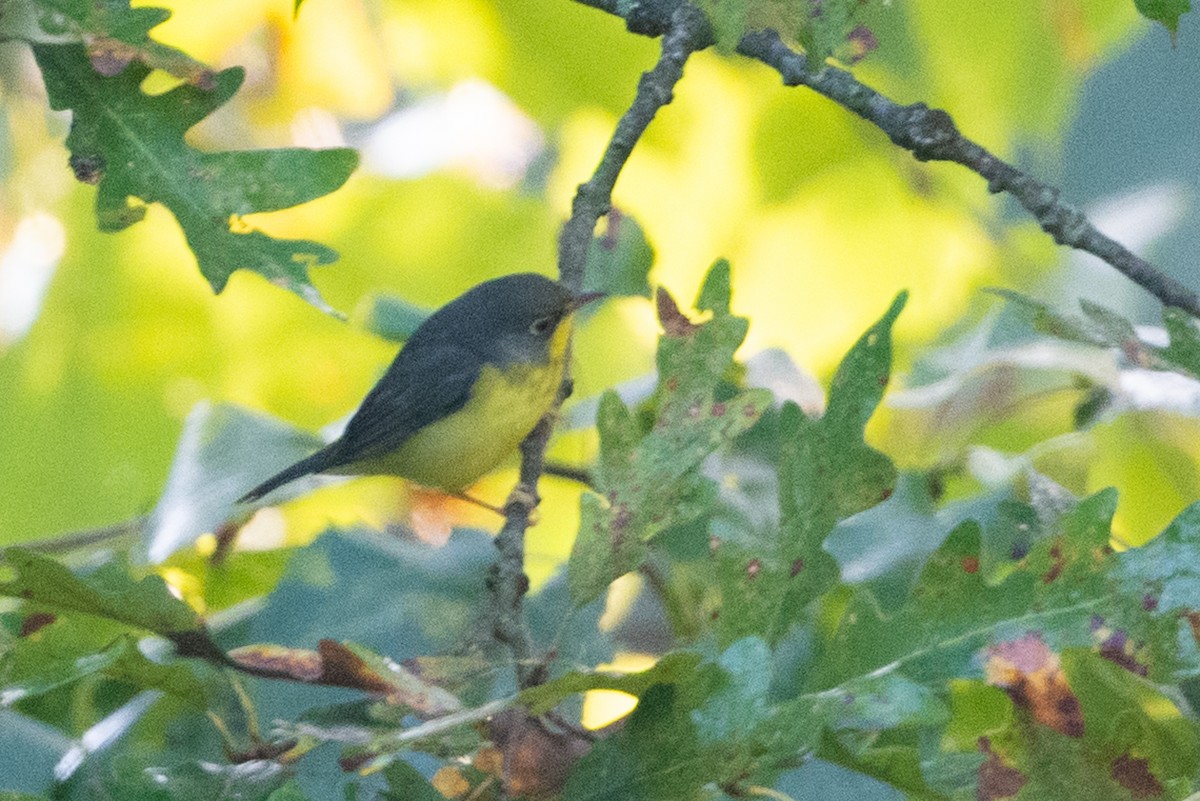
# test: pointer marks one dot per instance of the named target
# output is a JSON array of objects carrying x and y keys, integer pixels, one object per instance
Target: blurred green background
[{"x": 476, "y": 120}]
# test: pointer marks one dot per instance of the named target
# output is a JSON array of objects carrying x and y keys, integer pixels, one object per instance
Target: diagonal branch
[
  {"x": 687, "y": 32},
  {"x": 930, "y": 135}
]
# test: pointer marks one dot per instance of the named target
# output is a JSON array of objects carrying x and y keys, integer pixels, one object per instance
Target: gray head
[{"x": 506, "y": 319}]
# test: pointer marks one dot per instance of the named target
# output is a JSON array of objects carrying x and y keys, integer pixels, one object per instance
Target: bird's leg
[
  {"x": 521, "y": 495},
  {"x": 462, "y": 496},
  {"x": 527, "y": 498}
]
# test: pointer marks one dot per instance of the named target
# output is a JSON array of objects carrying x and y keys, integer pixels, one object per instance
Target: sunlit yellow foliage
[
  {"x": 823, "y": 219},
  {"x": 1153, "y": 459}
]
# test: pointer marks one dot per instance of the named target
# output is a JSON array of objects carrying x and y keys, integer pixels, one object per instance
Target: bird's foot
[{"x": 525, "y": 498}]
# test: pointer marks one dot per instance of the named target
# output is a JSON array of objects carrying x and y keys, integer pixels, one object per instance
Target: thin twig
[
  {"x": 508, "y": 582},
  {"x": 688, "y": 32},
  {"x": 356, "y": 735},
  {"x": 930, "y": 135},
  {"x": 75, "y": 540},
  {"x": 577, "y": 474}
]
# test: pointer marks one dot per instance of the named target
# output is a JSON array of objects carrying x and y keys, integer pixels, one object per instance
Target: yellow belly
[{"x": 455, "y": 452}]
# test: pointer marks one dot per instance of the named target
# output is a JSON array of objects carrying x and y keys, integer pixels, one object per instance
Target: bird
[{"x": 469, "y": 385}]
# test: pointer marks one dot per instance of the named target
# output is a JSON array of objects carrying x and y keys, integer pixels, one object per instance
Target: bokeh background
[{"x": 476, "y": 120}]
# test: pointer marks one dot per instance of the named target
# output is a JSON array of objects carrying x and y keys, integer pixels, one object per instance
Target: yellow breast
[{"x": 504, "y": 406}]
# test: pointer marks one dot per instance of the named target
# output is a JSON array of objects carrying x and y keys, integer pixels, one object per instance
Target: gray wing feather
[{"x": 420, "y": 387}]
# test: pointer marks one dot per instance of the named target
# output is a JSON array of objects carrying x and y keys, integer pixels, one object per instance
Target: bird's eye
[{"x": 541, "y": 325}]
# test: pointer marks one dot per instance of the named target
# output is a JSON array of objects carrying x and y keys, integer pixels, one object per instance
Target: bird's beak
[{"x": 584, "y": 298}]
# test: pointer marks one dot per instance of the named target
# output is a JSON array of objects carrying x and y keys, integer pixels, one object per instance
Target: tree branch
[
  {"x": 687, "y": 32},
  {"x": 930, "y": 135},
  {"x": 357, "y": 735},
  {"x": 86, "y": 538}
]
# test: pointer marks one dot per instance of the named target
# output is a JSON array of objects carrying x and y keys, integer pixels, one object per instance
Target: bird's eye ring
[{"x": 541, "y": 325}]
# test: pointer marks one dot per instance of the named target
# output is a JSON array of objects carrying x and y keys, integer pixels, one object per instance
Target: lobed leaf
[
  {"x": 827, "y": 472},
  {"x": 131, "y": 145},
  {"x": 111, "y": 592},
  {"x": 648, "y": 481},
  {"x": 1167, "y": 12}
]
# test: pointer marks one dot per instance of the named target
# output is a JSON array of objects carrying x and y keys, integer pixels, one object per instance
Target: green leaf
[
  {"x": 655, "y": 757},
  {"x": 132, "y": 145},
  {"x": 977, "y": 710},
  {"x": 29, "y": 750},
  {"x": 574, "y": 633},
  {"x": 405, "y": 783},
  {"x": 620, "y": 259},
  {"x": 728, "y": 19},
  {"x": 824, "y": 27},
  {"x": 1184, "y": 348},
  {"x": 899, "y": 766},
  {"x": 288, "y": 792},
  {"x": 649, "y": 481},
  {"x": 114, "y": 35},
  {"x": 58, "y": 655},
  {"x": 886, "y": 544},
  {"x": 953, "y": 611},
  {"x": 882, "y": 701},
  {"x": 1166, "y": 568},
  {"x": 109, "y": 591},
  {"x": 392, "y": 318},
  {"x": 256, "y": 780},
  {"x": 740, "y": 706},
  {"x": 670, "y": 669},
  {"x": 831, "y": 473},
  {"x": 397, "y": 597},
  {"x": 223, "y": 451},
  {"x": 1167, "y": 12},
  {"x": 826, "y": 473},
  {"x": 1056, "y": 324},
  {"x": 1129, "y": 739},
  {"x": 746, "y": 737},
  {"x": 1124, "y": 713}
]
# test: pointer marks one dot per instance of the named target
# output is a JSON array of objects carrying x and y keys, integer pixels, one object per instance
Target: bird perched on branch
[{"x": 471, "y": 382}]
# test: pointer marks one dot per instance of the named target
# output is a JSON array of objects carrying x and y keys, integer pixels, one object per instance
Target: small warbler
[{"x": 471, "y": 382}]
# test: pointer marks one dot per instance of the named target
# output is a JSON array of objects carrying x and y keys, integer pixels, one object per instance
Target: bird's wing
[{"x": 421, "y": 386}]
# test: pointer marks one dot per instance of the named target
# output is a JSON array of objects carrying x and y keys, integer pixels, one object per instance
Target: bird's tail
[{"x": 320, "y": 461}]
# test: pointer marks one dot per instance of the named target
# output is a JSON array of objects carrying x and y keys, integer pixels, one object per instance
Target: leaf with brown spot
[
  {"x": 997, "y": 779},
  {"x": 450, "y": 782},
  {"x": 1117, "y": 649},
  {"x": 827, "y": 473},
  {"x": 674, "y": 322},
  {"x": 110, "y": 591},
  {"x": 348, "y": 665},
  {"x": 1033, "y": 677},
  {"x": 1133, "y": 773},
  {"x": 648, "y": 478},
  {"x": 536, "y": 759}
]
